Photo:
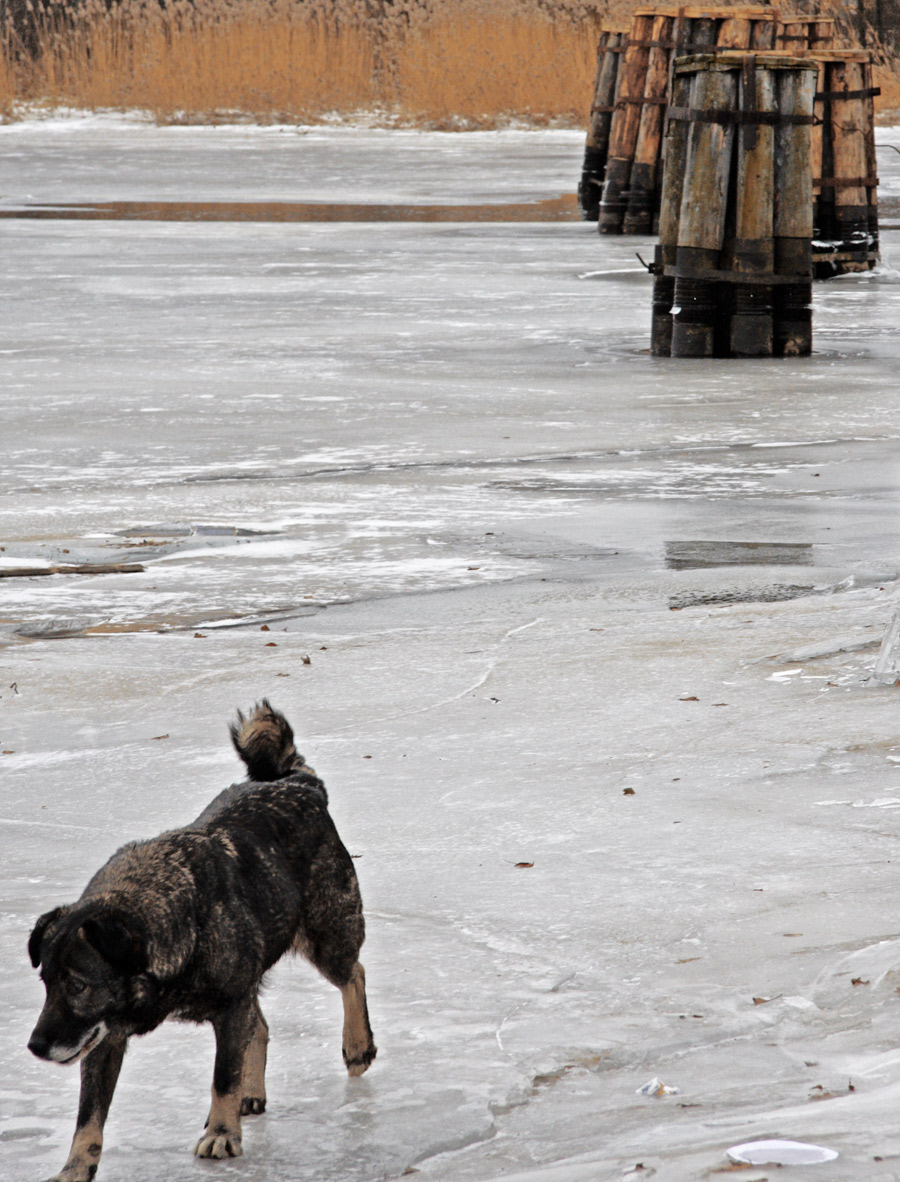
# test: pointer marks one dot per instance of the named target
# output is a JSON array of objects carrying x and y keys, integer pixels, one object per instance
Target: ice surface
[{"x": 438, "y": 461}]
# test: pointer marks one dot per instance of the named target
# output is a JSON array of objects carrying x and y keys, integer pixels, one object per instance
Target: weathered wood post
[
  {"x": 793, "y": 221},
  {"x": 799, "y": 34},
  {"x": 752, "y": 247},
  {"x": 870, "y": 93},
  {"x": 701, "y": 219},
  {"x": 625, "y": 126},
  {"x": 674, "y": 161},
  {"x": 588, "y": 167},
  {"x": 596, "y": 147},
  {"x": 845, "y": 180},
  {"x": 642, "y": 200}
]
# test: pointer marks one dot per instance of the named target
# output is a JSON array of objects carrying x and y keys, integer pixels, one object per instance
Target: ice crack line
[{"x": 493, "y": 662}]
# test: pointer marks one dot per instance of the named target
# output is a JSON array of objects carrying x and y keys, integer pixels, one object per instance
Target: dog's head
[{"x": 93, "y": 965}]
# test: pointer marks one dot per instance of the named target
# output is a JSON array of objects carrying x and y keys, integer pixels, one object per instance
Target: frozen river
[{"x": 528, "y": 595}]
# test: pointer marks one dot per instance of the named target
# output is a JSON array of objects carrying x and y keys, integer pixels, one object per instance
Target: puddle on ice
[
  {"x": 187, "y": 531},
  {"x": 692, "y": 555},
  {"x": 554, "y": 209}
]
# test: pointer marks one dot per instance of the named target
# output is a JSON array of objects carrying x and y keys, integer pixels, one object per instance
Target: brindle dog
[{"x": 185, "y": 926}]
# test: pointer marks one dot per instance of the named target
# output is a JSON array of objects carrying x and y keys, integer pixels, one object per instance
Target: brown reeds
[{"x": 421, "y": 63}]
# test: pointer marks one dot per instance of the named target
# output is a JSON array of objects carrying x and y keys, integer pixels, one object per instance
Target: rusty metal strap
[
  {"x": 729, "y": 115},
  {"x": 830, "y": 96},
  {"x": 686, "y": 47},
  {"x": 845, "y": 182},
  {"x": 714, "y": 275},
  {"x": 651, "y": 44},
  {"x": 641, "y": 102}
]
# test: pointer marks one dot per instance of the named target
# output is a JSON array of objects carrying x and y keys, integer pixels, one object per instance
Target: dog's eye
[{"x": 74, "y": 986}]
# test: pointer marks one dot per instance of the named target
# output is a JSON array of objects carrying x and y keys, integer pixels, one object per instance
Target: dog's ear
[
  {"x": 116, "y": 942},
  {"x": 36, "y": 939}
]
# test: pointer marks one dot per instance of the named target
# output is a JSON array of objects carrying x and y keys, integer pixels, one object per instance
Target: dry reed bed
[
  {"x": 474, "y": 65},
  {"x": 425, "y": 63}
]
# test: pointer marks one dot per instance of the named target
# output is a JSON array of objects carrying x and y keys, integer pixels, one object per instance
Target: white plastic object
[
  {"x": 780, "y": 1153},
  {"x": 656, "y": 1087}
]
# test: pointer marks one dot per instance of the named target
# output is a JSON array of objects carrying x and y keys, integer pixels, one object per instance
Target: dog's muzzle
[{"x": 55, "y": 1052}]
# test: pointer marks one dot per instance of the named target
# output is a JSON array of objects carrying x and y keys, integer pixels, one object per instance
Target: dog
[{"x": 185, "y": 926}]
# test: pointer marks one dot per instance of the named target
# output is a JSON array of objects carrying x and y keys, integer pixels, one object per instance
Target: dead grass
[
  {"x": 425, "y": 63},
  {"x": 472, "y": 64},
  {"x": 480, "y": 71}
]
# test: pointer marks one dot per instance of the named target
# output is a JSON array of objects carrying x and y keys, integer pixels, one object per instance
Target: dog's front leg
[
  {"x": 99, "y": 1073},
  {"x": 222, "y": 1137},
  {"x": 253, "y": 1089}
]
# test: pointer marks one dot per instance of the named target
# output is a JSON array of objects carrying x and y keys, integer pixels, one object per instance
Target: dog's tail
[{"x": 265, "y": 742}]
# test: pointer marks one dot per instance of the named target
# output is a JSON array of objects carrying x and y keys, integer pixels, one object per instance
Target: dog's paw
[
  {"x": 219, "y": 1142},
  {"x": 253, "y": 1105},
  {"x": 360, "y": 1060}
]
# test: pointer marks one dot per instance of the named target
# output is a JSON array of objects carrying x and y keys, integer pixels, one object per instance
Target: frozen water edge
[{"x": 360, "y": 415}]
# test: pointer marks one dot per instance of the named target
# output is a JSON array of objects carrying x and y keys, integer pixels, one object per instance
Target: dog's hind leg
[
  {"x": 99, "y": 1073},
  {"x": 330, "y": 937},
  {"x": 358, "y": 1045},
  {"x": 234, "y": 1029},
  {"x": 253, "y": 1084}
]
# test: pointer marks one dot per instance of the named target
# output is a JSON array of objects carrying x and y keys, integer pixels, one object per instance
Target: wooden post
[
  {"x": 800, "y": 33},
  {"x": 674, "y": 161},
  {"x": 701, "y": 222},
  {"x": 765, "y": 32},
  {"x": 823, "y": 218},
  {"x": 625, "y": 126},
  {"x": 752, "y": 249},
  {"x": 871, "y": 92},
  {"x": 844, "y": 176},
  {"x": 821, "y": 33},
  {"x": 850, "y": 165},
  {"x": 734, "y": 34},
  {"x": 588, "y": 166},
  {"x": 597, "y": 143},
  {"x": 793, "y": 35},
  {"x": 642, "y": 197},
  {"x": 793, "y": 211}
]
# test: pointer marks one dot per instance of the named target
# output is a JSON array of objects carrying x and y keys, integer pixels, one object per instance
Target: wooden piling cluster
[
  {"x": 733, "y": 269},
  {"x": 845, "y": 184},
  {"x": 630, "y": 172}
]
